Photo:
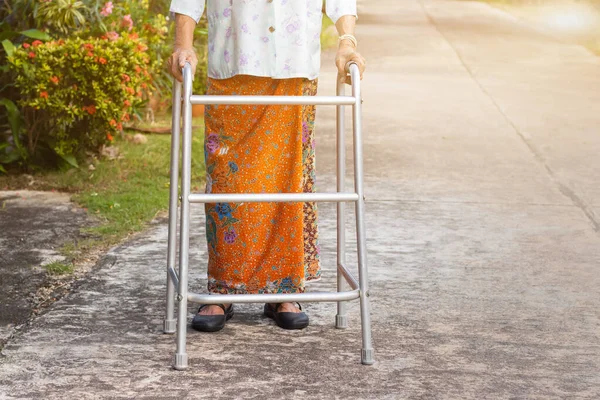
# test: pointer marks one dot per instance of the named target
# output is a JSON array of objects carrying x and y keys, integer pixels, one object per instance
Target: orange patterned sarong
[{"x": 260, "y": 247}]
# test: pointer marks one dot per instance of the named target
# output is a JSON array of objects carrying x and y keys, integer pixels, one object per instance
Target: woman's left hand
[{"x": 345, "y": 54}]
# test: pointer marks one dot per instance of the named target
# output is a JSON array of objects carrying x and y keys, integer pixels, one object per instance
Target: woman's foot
[
  {"x": 288, "y": 307},
  {"x": 213, "y": 309},
  {"x": 212, "y": 317},
  {"x": 287, "y": 315}
]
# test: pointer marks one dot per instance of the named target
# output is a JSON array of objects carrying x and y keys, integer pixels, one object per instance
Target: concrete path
[
  {"x": 483, "y": 183},
  {"x": 33, "y": 228}
]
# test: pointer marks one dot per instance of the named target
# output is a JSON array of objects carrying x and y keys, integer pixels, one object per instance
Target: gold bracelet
[{"x": 350, "y": 38}]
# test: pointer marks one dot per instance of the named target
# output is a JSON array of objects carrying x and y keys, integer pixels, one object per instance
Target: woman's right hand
[{"x": 178, "y": 59}]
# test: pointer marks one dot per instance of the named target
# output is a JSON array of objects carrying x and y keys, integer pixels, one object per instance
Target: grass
[
  {"x": 59, "y": 268},
  {"x": 124, "y": 193},
  {"x": 163, "y": 122}
]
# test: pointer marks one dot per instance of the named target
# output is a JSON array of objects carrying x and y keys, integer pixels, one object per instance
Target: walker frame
[{"x": 182, "y": 107}]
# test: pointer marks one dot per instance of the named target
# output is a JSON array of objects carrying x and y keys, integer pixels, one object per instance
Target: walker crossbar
[
  {"x": 275, "y": 100},
  {"x": 182, "y": 121},
  {"x": 350, "y": 279},
  {"x": 312, "y": 296},
  {"x": 274, "y": 297},
  {"x": 271, "y": 197},
  {"x": 173, "y": 276}
]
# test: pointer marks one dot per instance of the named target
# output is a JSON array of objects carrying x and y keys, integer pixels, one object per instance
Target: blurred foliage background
[{"x": 38, "y": 58}]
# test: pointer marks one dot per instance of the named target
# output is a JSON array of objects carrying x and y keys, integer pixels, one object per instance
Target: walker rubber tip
[
  {"x": 169, "y": 326},
  {"x": 341, "y": 321},
  {"x": 181, "y": 362},
  {"x": 367, "y": 357}
]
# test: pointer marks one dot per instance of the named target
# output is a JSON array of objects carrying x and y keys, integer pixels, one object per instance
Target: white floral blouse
[{"x": 273, "y": 38}]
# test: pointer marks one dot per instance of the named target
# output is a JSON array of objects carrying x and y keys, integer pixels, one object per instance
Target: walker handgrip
[
  {"x": 186, "y": 71},
  {"x": 354, "y": 72},
  {"x": 348, "y": 65}
]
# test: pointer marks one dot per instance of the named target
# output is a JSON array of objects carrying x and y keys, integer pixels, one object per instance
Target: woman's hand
[
  {"x": 345, "y": 54},
  {"x": 183, "y": 51},
  {"x": 178, "y": 59}
]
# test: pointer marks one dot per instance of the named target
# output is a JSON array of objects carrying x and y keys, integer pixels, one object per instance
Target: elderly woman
[{"x": 261, "y": 47}]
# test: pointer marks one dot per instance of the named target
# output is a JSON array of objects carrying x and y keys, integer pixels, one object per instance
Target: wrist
[
  {"x": 177, "y": 47},
  {"x": 347, "y": 44},
  {"x": 348, "y": 40}
]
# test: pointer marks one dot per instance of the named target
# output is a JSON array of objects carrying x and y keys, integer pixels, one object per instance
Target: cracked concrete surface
[
  {"x": 482, "y": 183},
  {"x": 33, "y": 227}
]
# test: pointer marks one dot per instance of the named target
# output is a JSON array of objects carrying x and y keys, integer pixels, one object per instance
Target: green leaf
[
  {"x": 36, "y": 34},
  {"x": 9, "y": 48},
  {"x": 9, "y": 157},
  {"x": 14, "y": 119},
  {"x": 70, "y": 159},
  {"x": 2, "y": 169}
]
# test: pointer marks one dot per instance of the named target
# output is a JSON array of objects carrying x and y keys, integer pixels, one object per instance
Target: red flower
[
  {"x": 139, "y": 93},
  {"x": 141, "y": 47},
  {"x": 134, "y": 36},
  {"x": 90, "y": 54},
  {"x": 88, "y": 46},
  {"x": 44, "y": 95},
  {"x": 102, "y": 60},
  {"x": 138, "y": 69},
  {"x": 31, "y": 54},
  {"x": 55, "y": 79},
  {"x": 119, "y": 126},
  {"x": 26, "y": 45},
  {"x": 36, "y": 43},
  {"x": 125, "y": 117},
  {"x": 112, "y": 122},
  {"x": 125, "y": 78},
  {"x": 129, "y": 90},
  {"x": 61, "y": 42},
  {"x": 91, "y": 109},
  {"x": 127, "y": 103},
  {"x": 109, "y": 137}
]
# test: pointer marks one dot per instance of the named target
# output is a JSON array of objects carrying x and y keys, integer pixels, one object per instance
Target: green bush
[
  {"x": 75, "y": 94},
  {"x": 34, "y": 129}
]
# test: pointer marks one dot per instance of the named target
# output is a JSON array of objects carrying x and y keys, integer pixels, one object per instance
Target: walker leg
[
  {"x": 341, "y": 319},
  {"x": 169, "y": 323},
  {"x": 181, "y": 361},
  {"x": 365, "y": 317}
]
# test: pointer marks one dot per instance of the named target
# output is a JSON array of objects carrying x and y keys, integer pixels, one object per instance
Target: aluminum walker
[{"x": 182, "y": 121}]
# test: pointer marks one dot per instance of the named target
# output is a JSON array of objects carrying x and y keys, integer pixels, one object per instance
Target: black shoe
[
  {"x": 212, "y": 323},
  {"x": 286, "y": 320}
]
